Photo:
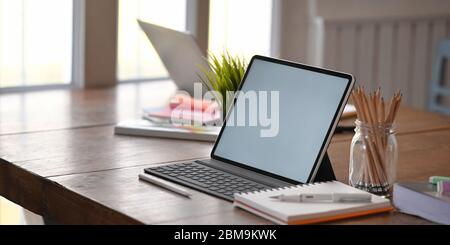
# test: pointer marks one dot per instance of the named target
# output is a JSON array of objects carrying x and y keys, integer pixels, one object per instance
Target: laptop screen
[{"x": 295, "y": 109}]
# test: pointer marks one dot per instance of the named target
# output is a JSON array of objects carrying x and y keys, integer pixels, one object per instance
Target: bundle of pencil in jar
[{"x": 374, "y": 153}]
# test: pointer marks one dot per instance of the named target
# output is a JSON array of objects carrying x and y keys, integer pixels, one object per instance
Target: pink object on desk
[
  {"x": 183, "y": 116},
  {"x": 185, "y": 110},
  {"x": 443, "y": 187},
  {"x": 186, "y": 102}
]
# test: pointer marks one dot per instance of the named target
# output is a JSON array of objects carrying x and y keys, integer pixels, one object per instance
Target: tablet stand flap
[{"x": 325, "y": 171}]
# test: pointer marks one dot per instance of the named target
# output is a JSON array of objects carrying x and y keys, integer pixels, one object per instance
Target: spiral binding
[{"x": 285, "y": 187}]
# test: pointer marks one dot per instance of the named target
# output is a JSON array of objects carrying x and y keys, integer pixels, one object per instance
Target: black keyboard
[{"x": 206, "y": 179}]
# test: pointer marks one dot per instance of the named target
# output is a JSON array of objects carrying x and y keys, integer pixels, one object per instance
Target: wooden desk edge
[{"x": 49, "y": 199}]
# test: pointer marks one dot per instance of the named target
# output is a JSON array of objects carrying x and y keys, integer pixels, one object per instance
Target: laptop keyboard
[{"x": 206, "y": 179}]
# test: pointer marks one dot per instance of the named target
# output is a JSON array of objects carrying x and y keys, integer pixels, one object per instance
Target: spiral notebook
[{"x": 279, "y": 212}]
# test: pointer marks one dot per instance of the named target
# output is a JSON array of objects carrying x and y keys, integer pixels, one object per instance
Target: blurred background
[{"x": 66, "y": 44}]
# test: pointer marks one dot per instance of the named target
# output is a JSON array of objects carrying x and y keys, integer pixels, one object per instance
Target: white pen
[
  {"x": 325, "y": 197},
  {"x": 165, "y": 184}
]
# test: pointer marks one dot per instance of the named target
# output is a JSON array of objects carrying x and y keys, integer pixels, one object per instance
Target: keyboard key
[{"x": 192, "y": 181}]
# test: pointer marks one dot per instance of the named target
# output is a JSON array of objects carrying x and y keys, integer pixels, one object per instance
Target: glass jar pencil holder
[{"x": 373, "y": 158}]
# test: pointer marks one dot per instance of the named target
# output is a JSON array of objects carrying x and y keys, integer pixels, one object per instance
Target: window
[
  {"x": 35, "y": 42},
  {"x": 137, "y": 58},
  {"x": 37, "y": 36},
  {"x": 240, "y": 27}
]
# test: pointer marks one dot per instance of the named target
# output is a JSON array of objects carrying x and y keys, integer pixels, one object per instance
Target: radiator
[{"x": 395, "y": 53}]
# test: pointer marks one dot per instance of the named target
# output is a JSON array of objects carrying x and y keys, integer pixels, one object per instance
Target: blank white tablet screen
[{"x": 308, "y": 102}]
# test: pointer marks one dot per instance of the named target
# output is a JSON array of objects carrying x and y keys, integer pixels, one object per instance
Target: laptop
[
  {"x": 179, "y": 53},
  {"x": 295, "y": 140},
  {"x": 182, "y": 58}
]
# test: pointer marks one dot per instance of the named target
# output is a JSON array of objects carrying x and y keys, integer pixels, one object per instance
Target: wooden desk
[{"x": 65, "y": 163}]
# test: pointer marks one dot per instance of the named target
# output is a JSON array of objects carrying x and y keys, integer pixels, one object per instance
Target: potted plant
[{"x": 225, "y": 76}]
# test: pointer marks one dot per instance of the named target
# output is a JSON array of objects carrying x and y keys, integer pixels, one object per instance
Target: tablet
[{"x": 299, "y": 126}]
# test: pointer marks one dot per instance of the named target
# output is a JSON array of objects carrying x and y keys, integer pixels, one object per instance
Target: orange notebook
[{"x": 293, "y": 213}]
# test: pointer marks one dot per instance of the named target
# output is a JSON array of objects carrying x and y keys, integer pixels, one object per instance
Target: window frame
[{"x": 78, "y": 43}]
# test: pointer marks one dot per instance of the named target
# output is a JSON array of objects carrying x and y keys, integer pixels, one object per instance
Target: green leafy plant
[{"x": 225, "y": 76}]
